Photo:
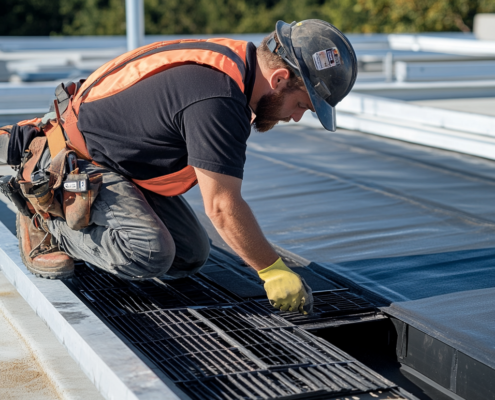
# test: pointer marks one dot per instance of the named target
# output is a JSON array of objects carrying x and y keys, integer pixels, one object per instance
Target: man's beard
[{"x": 268, "y": 110}]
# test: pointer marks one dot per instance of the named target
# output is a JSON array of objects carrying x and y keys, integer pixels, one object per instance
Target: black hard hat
[{"x": 324, "y": 58}]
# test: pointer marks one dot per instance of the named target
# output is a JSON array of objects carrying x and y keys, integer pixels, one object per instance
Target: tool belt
[{"x": 59, "y": 191}]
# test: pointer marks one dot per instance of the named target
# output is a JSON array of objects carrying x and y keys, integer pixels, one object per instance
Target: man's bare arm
[{"x": 233, "y": 218}]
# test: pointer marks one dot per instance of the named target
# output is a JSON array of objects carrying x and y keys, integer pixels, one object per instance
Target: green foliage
[
  {"x": 29, "y": 17},
  {"x": 92, "y": 17},
  {"x": 421, "y": 15},
  {"x": 107, "y": 17}
]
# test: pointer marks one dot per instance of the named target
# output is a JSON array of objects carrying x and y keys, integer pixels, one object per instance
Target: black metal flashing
[{"x": 446, "y": 366}]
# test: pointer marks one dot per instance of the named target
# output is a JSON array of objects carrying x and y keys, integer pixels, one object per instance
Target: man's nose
[{"x": 297, "y": 115}]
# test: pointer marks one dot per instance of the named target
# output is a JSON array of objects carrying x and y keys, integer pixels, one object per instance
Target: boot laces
[{"x": 42, "y": 247}]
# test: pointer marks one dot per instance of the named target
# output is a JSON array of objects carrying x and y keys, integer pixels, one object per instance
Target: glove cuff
[{"x": 278, "y": 265}]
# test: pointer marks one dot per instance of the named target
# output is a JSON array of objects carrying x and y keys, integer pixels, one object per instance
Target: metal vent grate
[
  {"x": 112, "y": 296},
  {"x": 296, "y": 382},
  {"x": 335, "y": 307},
  {"x": 214, "y": 346},
  {"x": 183, "y": 346},
  {"x": 245, "y": 315}
]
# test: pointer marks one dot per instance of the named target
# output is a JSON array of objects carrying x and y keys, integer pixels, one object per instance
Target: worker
[{"x": 104, "y": 171}]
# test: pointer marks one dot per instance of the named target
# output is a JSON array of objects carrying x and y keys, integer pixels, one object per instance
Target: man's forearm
[{"x": 240, "y": 230}]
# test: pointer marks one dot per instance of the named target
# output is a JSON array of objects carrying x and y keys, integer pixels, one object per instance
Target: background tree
[
  {"x": 92, "y": 17},
  {"x": 30, "y": 17},
  {"x": 107, "y": 17},
  {"x": 421, "y": 15}
]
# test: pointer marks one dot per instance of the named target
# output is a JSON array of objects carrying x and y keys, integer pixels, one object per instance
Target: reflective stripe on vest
[{"x": 225, "y": 55}]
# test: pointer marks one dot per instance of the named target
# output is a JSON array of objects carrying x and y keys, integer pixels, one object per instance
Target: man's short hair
[{"x": 274, "y": 61}]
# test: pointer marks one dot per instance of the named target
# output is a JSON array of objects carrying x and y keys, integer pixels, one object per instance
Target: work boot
[{"x": 39, "y": 251}]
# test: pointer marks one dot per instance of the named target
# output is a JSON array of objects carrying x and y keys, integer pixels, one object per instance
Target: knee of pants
[
  {"x": 190, "y": 265},
  {"x": 136, "y": 270},
  {"x": 147, "y": 260},
  {"x": 198, "y": 254},
  {"x": 148, "y": 253}
]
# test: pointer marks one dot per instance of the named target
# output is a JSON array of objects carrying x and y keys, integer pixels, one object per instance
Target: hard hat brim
[{"x": 324, "y": 111}]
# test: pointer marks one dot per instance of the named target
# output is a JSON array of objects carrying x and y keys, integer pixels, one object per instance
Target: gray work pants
[{"x": 134, "y": 233}]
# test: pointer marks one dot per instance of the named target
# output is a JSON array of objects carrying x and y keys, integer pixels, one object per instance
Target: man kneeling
[{"x": 105, "y": 170}]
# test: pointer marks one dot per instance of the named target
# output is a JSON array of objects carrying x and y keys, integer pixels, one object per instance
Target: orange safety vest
[{"x": 226, "y": 55}]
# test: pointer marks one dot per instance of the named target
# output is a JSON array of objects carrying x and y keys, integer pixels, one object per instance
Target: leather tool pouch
[
  {"x": 39, "y": 188},
  {"x": 42, "y": 199},
  {"x": 44, "y": 190},
  {"x": 10, "y": 188},
  {"x": 80, "y": 191}
]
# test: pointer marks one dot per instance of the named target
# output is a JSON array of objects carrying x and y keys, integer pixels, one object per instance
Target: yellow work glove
[{"x": 284, "y": 288}]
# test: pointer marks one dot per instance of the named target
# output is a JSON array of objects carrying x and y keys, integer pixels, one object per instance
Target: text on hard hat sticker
[{"x": 326, "y": 58}]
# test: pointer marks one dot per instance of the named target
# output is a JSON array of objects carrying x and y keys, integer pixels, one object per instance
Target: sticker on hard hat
[{"x": 326, "y": 58}]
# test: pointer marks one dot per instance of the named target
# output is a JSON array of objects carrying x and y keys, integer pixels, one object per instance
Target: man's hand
[{"x": 284, "y": 288}]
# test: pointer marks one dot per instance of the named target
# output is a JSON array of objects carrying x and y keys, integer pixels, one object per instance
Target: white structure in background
[
  {"x": 462, "y": 132},
  {"x": 134, "y": 16},
  {"x": 438, "y": 44},
  {"x": 457, "y": 131},
  {"x": 444, "y": 71},
  {"x": 484, "y": 26},
  {"x": 449, "y": 76}
]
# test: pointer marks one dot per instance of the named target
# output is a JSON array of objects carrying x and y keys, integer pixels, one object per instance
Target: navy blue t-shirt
[{"x": 188, "y": 115}]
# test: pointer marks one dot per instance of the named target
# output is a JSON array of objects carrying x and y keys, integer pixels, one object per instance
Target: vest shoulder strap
[{"x": 228, "y": 56}]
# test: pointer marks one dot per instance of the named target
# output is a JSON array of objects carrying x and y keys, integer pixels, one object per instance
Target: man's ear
[{"x": 279, "y": 78}]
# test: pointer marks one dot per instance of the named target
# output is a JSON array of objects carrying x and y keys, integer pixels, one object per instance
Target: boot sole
[{"x": 37, "y": 272}]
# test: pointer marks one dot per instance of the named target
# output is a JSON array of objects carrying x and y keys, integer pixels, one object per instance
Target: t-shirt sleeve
[
  {"x": 216, "y": 131},
  {"x": 20, "y": 139}
]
